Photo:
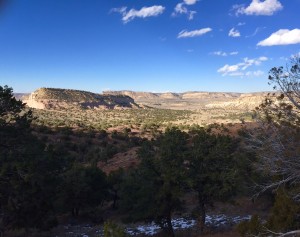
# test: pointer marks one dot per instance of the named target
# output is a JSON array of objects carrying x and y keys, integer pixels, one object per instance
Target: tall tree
[
  {"x": 115, "y": 179},
  {"x": 153, "y": 191},
  {"x": 212, "y": 169},
  {"x": 28, "y": 169},
  {"x": 276, "y": 141},
  {"x": 83, "y": 187}
]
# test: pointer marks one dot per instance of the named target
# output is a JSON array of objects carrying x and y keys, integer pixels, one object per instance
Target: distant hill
[
  {"x": 55, "y": 98},
  {"x": 21, "y": 96},
  {"x": 171, "y": 95},
  {"x": 195, "y": 99}
]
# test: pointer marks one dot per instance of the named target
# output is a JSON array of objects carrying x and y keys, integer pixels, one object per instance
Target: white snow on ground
[
  {"x": 152, "y": 228},
  {"x": 185, "y": 223}
]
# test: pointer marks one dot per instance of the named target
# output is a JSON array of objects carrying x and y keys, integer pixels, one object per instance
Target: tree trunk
[
  {"x": 202, "y": 216},
  {"x": 170, "y": 227},
  {"x": 77, "y": 211},
  {"x": 116, "y": 197}
]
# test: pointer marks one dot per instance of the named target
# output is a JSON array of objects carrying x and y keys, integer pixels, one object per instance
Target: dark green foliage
[
  {"x": 174, "y": 163},
  {"x": 113, "y": 230},
  {"x": 83, "y": 187},
  {"x": 212, "y": 169},
  {"x": 115, "y": 179},
  {"x": 28, "y": 169},
  {"x": 152, "y": 192},
  {"x": 12, "y": 111},
  {"x": 284, "y": 214},
  {"x": 276, "y": 143},
  {"x": 253, "y": 227},
  {"x": 284, "y": 217}
]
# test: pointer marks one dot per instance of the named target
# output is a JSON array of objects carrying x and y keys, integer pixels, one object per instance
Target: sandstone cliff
[
  {"x": 195, "y": 99},
  {"x": 52, "y": 98}
]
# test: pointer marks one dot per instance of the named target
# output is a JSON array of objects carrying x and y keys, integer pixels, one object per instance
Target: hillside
[
  {"x": 195, "y": 100},
  {"x": 53, "y": 98}
]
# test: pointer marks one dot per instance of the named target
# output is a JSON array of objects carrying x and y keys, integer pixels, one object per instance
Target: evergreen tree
[
  {"x": 115, "y": 179},
  {"x": 211, "y": 169},
  {"x": 153, "y": 191},
  {"x": 83, "y": 187},
  {"x": 29, "y": 170}
]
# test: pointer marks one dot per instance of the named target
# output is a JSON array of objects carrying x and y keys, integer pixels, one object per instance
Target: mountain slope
[
  {"x": 195, "y": 99},
  {"x": 53, "y": 98}
]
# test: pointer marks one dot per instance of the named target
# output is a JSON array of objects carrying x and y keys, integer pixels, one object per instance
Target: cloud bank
[
  {"x": 282, "y": 37},
  {"x": 259, "y": 7}
]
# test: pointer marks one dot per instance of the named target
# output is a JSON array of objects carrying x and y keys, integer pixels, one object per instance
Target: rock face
[
  {"x": 133, "y": 94},
  {"x": 244, "y": 101},
  {"x": 195, "y": 99},
  {"x": 51, "y": 98}
]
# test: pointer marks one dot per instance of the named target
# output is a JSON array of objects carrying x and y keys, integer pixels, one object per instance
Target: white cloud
[
  {"x": 181, "y": 8},
  {"x": 259, "y": 7},
  {"x": 282, "y": 37},
  {"x": 191, "y": 15},
  {"x": 234, "y": 53},
  {"x": 142, "y": 13},
  {"x": 263, "y": 58},
  {"x": 224, "y": 54},
  {"x": 190, "y": 2},
  {"x": 219, "y": 53},
  {"x": 241, "y": 23},
  {"x": 257, "y": 73},
  {"x": 228, "y": 68},
  {"x": 194, "y": 33},
  {"x": 239, "y": 68},
  {"x": 234, "y": 33}
]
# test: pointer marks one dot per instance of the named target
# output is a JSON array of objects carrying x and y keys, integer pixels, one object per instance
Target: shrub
[{"x": 113, "y": 230}]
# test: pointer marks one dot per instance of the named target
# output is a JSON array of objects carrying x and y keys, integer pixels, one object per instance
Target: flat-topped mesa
[
  {"x": 141, "y": 96},
  {"x": 196, "y": 99},
  {"x": 66, "y": 95},
  {"x": 247, "y": 101},
  {"x": 133, "y": 94},
  {"x": 209, "y": 95},
  {"x": 52, "y": 98}
]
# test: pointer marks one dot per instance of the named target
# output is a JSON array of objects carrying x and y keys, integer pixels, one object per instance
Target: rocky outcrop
[
  {"x": 52, "y": 98},
  {"x": 133, "y": 94},
  {"x": 195, "y": 99},
  {"x": 244, "y": 101},
  {"x": 208, "y": 95}
]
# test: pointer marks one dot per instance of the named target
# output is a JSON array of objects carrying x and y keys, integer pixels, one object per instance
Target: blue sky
[{"x": 153, "y": 45}]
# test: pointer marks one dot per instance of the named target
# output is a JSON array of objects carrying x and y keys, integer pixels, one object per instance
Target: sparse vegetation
[{"x": 153, "y": 160}]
